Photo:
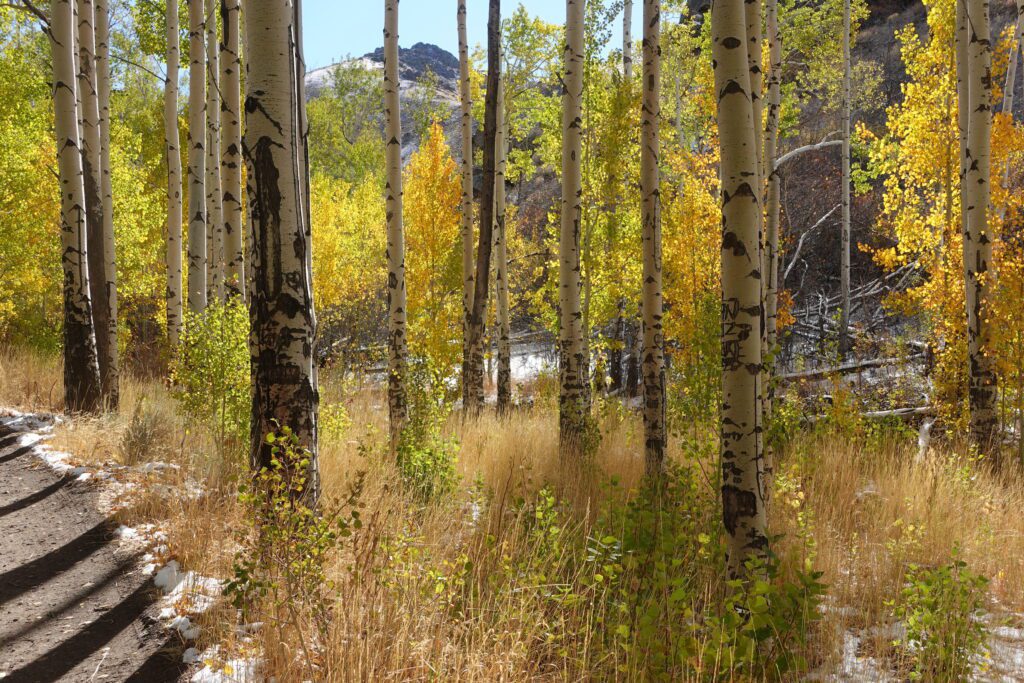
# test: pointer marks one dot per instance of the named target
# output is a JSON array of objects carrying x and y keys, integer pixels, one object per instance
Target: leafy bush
[
  {"x": 426, "y": 459},
  {"x": 765, "y": 623},
  {"x": 280, "y": 574},
  {"x": 211, "y": 371},
  {"x": 939, "y": 609}
]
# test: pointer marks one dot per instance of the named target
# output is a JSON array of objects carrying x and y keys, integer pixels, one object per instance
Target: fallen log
[
  {"x": 882, "y": 414},
  {"x": 846, "y": 369}
]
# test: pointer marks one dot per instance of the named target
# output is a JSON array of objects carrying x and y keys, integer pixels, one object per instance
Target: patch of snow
[
  {"x": 168, "y": 578},
  {"x": 190, "y": 656},
  {"x": 185, "y": 627},
  {"x": 231, "y": 671}
]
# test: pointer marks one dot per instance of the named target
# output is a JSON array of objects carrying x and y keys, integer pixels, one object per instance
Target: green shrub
[
  {"x": 280, "y": 573},
  {"x": 939, "y": 609},
  {"x": 211, "y": 371},
  {"x": 426, "y": 459},
  {"x": 765, "y": 623}
]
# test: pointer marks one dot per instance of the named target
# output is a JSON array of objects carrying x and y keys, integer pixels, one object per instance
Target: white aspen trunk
[
  {"x": 844, "y": 270},
  {"x": 770, "y": 254},
  {"x": 774, "y": 205},
  {"x": 172, "y": 145},
  {"x": 104, "y": 324},
  {"x": 743, "y": 502},
  {"x": 285, "y": 391},
  {"x": 474, "y": 374},
  {"x": 111, "y": 382},
  {"x": 979, "y": 237},
  {"x": 651, "y": 293},
  {"x": 1008, "y": 90},
  {"x": 502, "y": 320},
  {"x": 397, "y": 339},
  {"x": 231, "y": 148},
  {"x": 196, "y": 158},
  {"x": 82, "y": 391},
  {"x": 214, "y": 195},
  {"x": 752, "y": 18},
  {"x": 572, "y": 355},
  {"x": 627, "y": 40},
  {"x": 467, "y": 198}
]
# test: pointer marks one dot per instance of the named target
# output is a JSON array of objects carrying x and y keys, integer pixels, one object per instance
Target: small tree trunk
[
  {"x": 214, "y": 195},
  {"x": 743, "y": 505},
  {"x": 111, "y": 381},
  {"x": 844, "y": 271},
  {"x": 231, "y": 148},
  {"x": 572, "y": 355},
  {"x": 503, "y": 324},
  {"x": 82, "y": 391},
  {"x": 100, "y": 280},
  {"x": 627, "y": 40},
  {"x": 770, "y": 252},
  {"x": 774, "y": 204},
  {"x": 397, "y": 341},
  {"x": 196, "y": 159},
  {"x": 285, "y": 392},
  {"x": 650, "y": 180},
  {"x": 172, "y": 144},
  {"x": 467, "y": 196},
  {"x": 979, "y": 237},
  {"x": 474, "y": 371}
]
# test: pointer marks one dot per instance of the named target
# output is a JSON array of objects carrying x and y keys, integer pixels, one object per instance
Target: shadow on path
[
  {"x": 34, "y": 498},
  {"x": 42, "y": 569}
]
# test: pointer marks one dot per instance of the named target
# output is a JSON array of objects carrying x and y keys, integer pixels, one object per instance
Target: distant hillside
[{"x": 414, "y": 63}]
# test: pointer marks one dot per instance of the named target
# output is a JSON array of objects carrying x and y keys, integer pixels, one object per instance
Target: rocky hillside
[{"x": 414, "y": 64}]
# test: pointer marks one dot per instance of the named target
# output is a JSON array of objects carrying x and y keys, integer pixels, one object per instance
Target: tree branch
[
  {"x": 27, "y": 6},
  {"x": 807, "y": 148},
  {"x": 800, "y": 243}
]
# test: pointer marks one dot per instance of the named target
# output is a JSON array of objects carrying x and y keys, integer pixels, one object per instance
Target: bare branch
[
  {"x": 800, "y": 243},
  {"x": 825, "y": 143}
]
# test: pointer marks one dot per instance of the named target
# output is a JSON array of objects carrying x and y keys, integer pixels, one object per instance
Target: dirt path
[{"x": 72, "y": 607}]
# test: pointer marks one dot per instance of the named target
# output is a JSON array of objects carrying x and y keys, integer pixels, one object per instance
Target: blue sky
[{"x": 336, "y": 28}]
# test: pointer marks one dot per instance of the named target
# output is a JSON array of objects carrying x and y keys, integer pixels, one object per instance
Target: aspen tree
[
  {"x": 196, "y": 159},
  {"x": 397, "y": 340},
  {"x": 82, "y": 391},
  {"x": 231, "y": 148},
  {"x": 172, "y": 144},
  {"x": 844, "y": 269},
  {"x": 214, "y": 196},
  {"x": 773, "y": 196},
  {"x": 743, "y": 504},
  {"x": 572, "y": 361},
  {"x": 111, "y": 380},
  {"x": 285, "y": 392},
  {"x": 627, "y": 40},
  {"x": 502, "y": 322},
  {"x": 101, "y": 279},
  {"x": 979, "y": 236},
  {"x": 466, "y": 128},
  {"x": 473, "y": 373},
  {"x": 1010, "y": 86},
  {"x": 650, "y": 179}
]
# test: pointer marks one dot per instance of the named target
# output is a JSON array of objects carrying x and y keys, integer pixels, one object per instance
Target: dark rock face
[{"x": 414, "y": 62}]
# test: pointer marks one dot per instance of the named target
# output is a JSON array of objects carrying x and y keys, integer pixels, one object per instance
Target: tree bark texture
[
  {"x": 844, "y": 268},
  {"x": 285, "y": 392},
  {"x": 214, "y": 196},
  {"x": 172, "y": 146},
  {"x": 743, "y": 500},
  {"x": 82, "y": 391},
  {"x": 231, "y": 148},
  {"x": 502, "y": 320},
  {"x": 196, "y": 158},
  {"x": 573, "y": 379},
  {"x": 651, "y": 293},
  {"x": 397, "y": 339}
]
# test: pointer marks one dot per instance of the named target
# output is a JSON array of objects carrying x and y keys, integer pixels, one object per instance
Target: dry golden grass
[{"x": 457, "y": 590}]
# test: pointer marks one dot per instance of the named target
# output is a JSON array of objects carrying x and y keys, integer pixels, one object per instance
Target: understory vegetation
[{"x": 490, "y": 560}]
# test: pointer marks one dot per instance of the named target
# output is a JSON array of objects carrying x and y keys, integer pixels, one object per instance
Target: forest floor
[
  {"x": 75, "y": 606},
  {"x": 856, "y": 502}
]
